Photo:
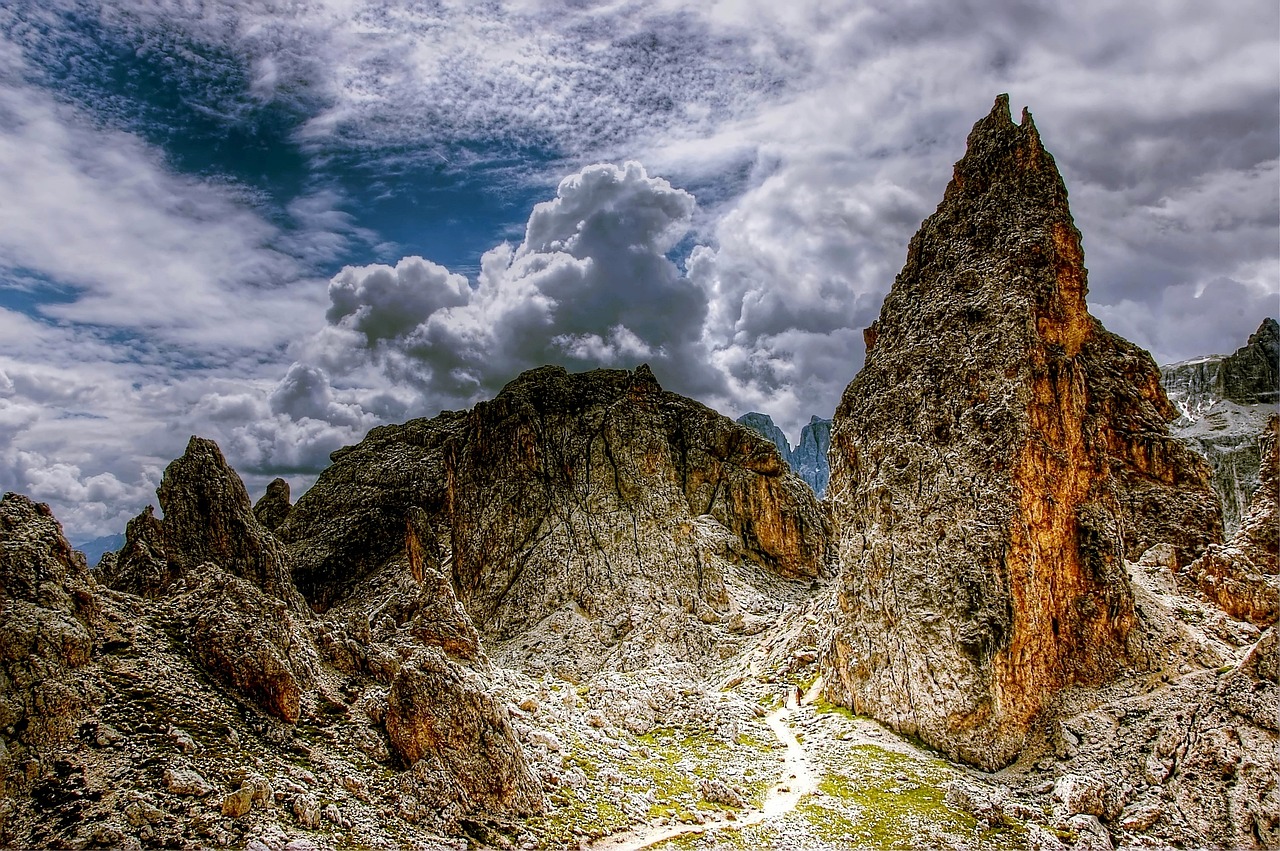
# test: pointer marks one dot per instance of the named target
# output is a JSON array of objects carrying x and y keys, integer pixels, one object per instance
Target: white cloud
[
  {"x": 142, "y": 248},
  {"x": 816, "y": 136},
  {"x": 589, "y": 285},
  {"x": 384, "y": 303}
]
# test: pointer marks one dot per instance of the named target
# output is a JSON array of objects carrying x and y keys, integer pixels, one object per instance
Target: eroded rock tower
[{"x": 992, "y": 466}]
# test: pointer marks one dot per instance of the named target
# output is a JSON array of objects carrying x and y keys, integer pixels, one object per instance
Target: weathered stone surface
[
  {"x": 1242, "y": 575},
  {"x": 1192, "y": 764},
  {"x": 248, "y": 640},
  {"x": 600, "y": 476},
  {"x": 274, "y": 506},
  {"x": 117, "y": 708},
  {"x": 993, "y": 463},
  {"x": 598, "y": 499},
  {"x": 440, "y": 713},
  {"x": 207, "y": 518},
  {"x": 1224, "y": 403},
  {"x": 355, "y": 518},
  {"x": 47, "y": 612},
  {"x": 141, "y": 566},
  {"x": 184, "y": 781}
]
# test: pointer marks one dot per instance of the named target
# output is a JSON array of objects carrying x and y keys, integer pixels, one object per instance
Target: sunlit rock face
[
  {"x": 619, "y": 522},
  {"x": 993, "y": 464},
  {"x": 1223, "y": 404}
]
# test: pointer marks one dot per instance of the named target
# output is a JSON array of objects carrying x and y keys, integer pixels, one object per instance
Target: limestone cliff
[
  {"x": 1243, "y": 576},
  {"x": 992, "y": 465},
  {"x": 591, "y": 518},
  {"x": 809, "y": 458},
  {"x": 1224, "y": 403}
]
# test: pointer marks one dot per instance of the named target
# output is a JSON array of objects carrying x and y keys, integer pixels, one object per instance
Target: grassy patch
[
  {"x": 882, "y": 799},
  {"x": 824, "y": 708}
]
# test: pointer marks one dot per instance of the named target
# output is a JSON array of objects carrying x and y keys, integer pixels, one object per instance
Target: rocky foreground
[{"x": 591, "y": 613}]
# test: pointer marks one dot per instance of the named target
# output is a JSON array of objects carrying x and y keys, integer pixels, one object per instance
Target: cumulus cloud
[
  {"x": 589, "y": 285},
  {"x": 289, "y": 427},
  {"x": 384, "y": 303}
]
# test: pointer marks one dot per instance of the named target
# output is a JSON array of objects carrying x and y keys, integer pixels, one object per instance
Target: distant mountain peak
[{"x": 809, "y": 457}]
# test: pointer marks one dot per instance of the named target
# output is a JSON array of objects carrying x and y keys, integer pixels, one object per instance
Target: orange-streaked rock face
[
  {"x": 596, "y": 515},
  {"x": 991, "y": 466}
]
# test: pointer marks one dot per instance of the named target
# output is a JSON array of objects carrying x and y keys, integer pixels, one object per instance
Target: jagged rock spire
[{"x": 992, "y": 464}]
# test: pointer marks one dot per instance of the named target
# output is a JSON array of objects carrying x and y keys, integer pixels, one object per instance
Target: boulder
[{"x": 440, "y": 714}]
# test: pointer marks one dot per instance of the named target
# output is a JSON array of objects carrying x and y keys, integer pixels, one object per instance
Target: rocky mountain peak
[
  {"x": 993, "y": 463},
  {"x": 1255, "y": 369},
  {"x": 274, "y": 506},
  {"x": 208, "y": 519},
  {"x": 1248, "y": 376},
  {"x": 1224, "y": 402},
  {"x": 593, "y": 515}
]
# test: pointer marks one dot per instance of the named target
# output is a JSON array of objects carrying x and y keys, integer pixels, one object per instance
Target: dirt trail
[{"x": 797, "y": 780}]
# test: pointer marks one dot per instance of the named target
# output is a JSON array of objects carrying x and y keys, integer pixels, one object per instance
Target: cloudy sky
[{"x": 278, "y": 224}]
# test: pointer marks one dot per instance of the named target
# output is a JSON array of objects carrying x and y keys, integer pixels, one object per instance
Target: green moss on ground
[{"x": 883, "y": 799}]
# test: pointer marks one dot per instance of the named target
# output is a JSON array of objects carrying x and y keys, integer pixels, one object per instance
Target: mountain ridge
[{"x": 579, "y": 613}]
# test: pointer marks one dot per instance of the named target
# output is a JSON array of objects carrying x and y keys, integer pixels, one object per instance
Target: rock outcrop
[
  {"x": 203, "y": 658},
  {"x": 141, "y": 566},
  {"x": 1242, "y": 575},
  {"x": 598, "y": 510},
  {"x": 462, "y": 747},
  {"x": 248, "y": 640},
  {"x": 47, "y": 615},
  {"x": 1224, "y": 402},
  {"x": 274, "y": 506},
  {"x": 992, "y": 465},
  {"x": 208, "y": 518}
]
